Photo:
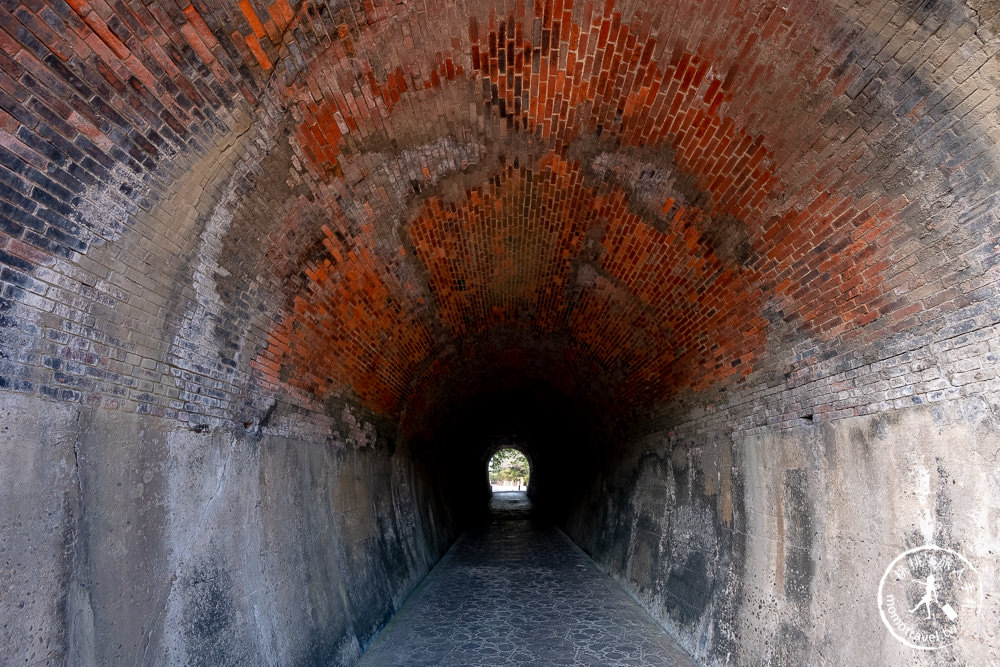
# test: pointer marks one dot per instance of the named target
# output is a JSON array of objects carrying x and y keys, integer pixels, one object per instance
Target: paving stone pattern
[{"x": 518, "y": 592}]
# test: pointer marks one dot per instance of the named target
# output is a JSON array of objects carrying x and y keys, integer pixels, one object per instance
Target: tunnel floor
[{"x": 517, "y": 591}]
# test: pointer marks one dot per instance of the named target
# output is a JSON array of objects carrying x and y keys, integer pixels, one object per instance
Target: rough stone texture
[
  {"x": 40, "y": 492},
  {"x": 128, "y": 541},
  {"x": 768, "y": 548},
  {"x": 346, "y": 248}
]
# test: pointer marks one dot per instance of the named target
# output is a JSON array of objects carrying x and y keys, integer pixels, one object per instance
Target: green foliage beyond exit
[{"x": 509, "y": 465}]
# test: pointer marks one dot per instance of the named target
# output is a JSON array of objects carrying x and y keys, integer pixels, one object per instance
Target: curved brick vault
[
  {"x": 626, "y": 201},
  {"x": 364, "y": 222},
  {"x": 587, "y": 195}
]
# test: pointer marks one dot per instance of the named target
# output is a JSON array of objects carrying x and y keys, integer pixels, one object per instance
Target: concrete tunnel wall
[{"x": 276, "y": 275}]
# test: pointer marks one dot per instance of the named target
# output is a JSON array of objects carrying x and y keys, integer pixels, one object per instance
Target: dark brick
[
  {"x": 89, "y": 172},
  {"x": 15, "y": 293},
  {"x": 14, "y": 182},
  {"x": 67, "y": 179},
  {"x": 55, "y": 130},
  {"x": 105, "y": 112},
  {"x": 60, "y": 222},
  {"x": 144, "y": 144},
  {"x": 91, "y": 149},
  {"x": 60, "y": 205},
  {"x": 13, "y": 277},
  {"x": 16, "y": 262},
  {"x": 10, "y": 227},
  {"x": 17, "y": 110},
  {"x": 70, "y": 396},
  {"x": 65, "y": 239},
  {"x": 47, "y": 244},
  {"x": 15, "y": 197},
  {"x": 23, "y": 36},
  {"x": 43, "y": 148},
  {"x": 21, "y": 217}
]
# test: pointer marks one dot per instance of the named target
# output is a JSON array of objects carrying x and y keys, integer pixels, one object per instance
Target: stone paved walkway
[{"x": 517, "y": 592}]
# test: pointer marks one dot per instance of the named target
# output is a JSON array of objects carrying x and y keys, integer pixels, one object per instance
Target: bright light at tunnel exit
[{"x": 509, "y": 470}]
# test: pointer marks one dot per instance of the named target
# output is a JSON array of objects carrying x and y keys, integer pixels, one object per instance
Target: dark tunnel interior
[{"x": 560, "y": 437}]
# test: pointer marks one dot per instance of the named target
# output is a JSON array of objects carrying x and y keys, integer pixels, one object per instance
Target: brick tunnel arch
[{"x": 270, "y": 267}]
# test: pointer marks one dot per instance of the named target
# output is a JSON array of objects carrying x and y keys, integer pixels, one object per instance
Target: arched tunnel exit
[
  {"x": 508, "y": 465},
  {"x": 277, "y": 275},
  {"x": 552, "y": 430}
]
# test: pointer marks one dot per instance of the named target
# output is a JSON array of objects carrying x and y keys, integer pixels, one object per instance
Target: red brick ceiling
[{"x": 626, "y": 200}]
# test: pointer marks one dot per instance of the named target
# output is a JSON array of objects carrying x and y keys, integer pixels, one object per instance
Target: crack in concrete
[
  {"x": 186, "y": 551},
  {"x": 79, "y": 561},
  {"x": 76, "y": 456}
]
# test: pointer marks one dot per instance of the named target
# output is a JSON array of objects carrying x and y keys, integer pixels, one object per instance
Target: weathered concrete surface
[
  {"x": 769, "y": 548},
  {"x": 38, "y": 497},
  {"x": 125, "y": 539}
]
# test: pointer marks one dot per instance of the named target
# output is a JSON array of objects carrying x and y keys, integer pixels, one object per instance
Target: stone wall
[
  {"x": 769, "y": 546},
  {"x": 126, "y": 539}
]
